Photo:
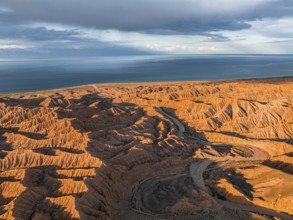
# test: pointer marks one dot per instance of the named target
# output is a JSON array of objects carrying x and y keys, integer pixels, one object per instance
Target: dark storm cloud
[
  {"x": 44, "y": 42},
  {"x": 276, "y": 9},
  {"x": 52, "y": 43},
  {"x": 22, "y": 20},
  {"x": 154, "y": 16},
  {"x": 35, "y": 34},
  {"x": 195, "y": 28}
]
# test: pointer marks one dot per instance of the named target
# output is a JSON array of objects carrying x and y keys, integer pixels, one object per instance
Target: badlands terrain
[{"x": 174, "y": 150}]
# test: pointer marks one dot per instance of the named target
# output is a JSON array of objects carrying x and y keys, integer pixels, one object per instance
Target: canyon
[{"x": 162, "y": 150}]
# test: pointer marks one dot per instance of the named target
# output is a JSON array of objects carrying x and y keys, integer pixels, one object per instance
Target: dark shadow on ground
[
  {"x": 15, "y": 130},
  {"x": 279, "y": 165},
  {"x": 237, "y": 179},
  {"x": 4, "y": 146},
  {"x": 97, "y": 117},
  {"x": 40, "y": 183},
  {"x": 25, "y": 103}
]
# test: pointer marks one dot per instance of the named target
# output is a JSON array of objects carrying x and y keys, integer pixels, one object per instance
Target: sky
[{"x": 62, "y": 28}]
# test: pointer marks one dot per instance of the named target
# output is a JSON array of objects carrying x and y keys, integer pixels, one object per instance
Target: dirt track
[{"x": 197, "y": 169}]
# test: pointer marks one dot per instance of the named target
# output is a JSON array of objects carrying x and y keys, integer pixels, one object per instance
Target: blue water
[{"x": 18, "y": 75}]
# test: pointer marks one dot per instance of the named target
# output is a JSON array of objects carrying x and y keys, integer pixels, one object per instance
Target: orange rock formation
[{"x": 124, "y": 151}]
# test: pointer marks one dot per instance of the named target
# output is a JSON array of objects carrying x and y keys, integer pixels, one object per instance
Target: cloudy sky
[{"x": 50, "y": 28}]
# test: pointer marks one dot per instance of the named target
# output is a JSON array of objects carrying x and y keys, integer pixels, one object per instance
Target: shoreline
[{"x": 111, "y": 84}]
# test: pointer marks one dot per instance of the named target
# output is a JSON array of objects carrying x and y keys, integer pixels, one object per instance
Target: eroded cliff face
[
  {"x": 124, "y": 151},
  {"x": 253, "y": 183}
]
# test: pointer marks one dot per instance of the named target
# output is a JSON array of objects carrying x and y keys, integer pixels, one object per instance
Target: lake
[{"x": 17, "y": 75}]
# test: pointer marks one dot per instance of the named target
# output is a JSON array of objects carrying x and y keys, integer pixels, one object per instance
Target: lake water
[{"x": 41, "y": 74}]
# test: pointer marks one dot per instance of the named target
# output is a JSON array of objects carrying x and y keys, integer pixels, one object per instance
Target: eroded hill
[{"x": 182, "y": 150}]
